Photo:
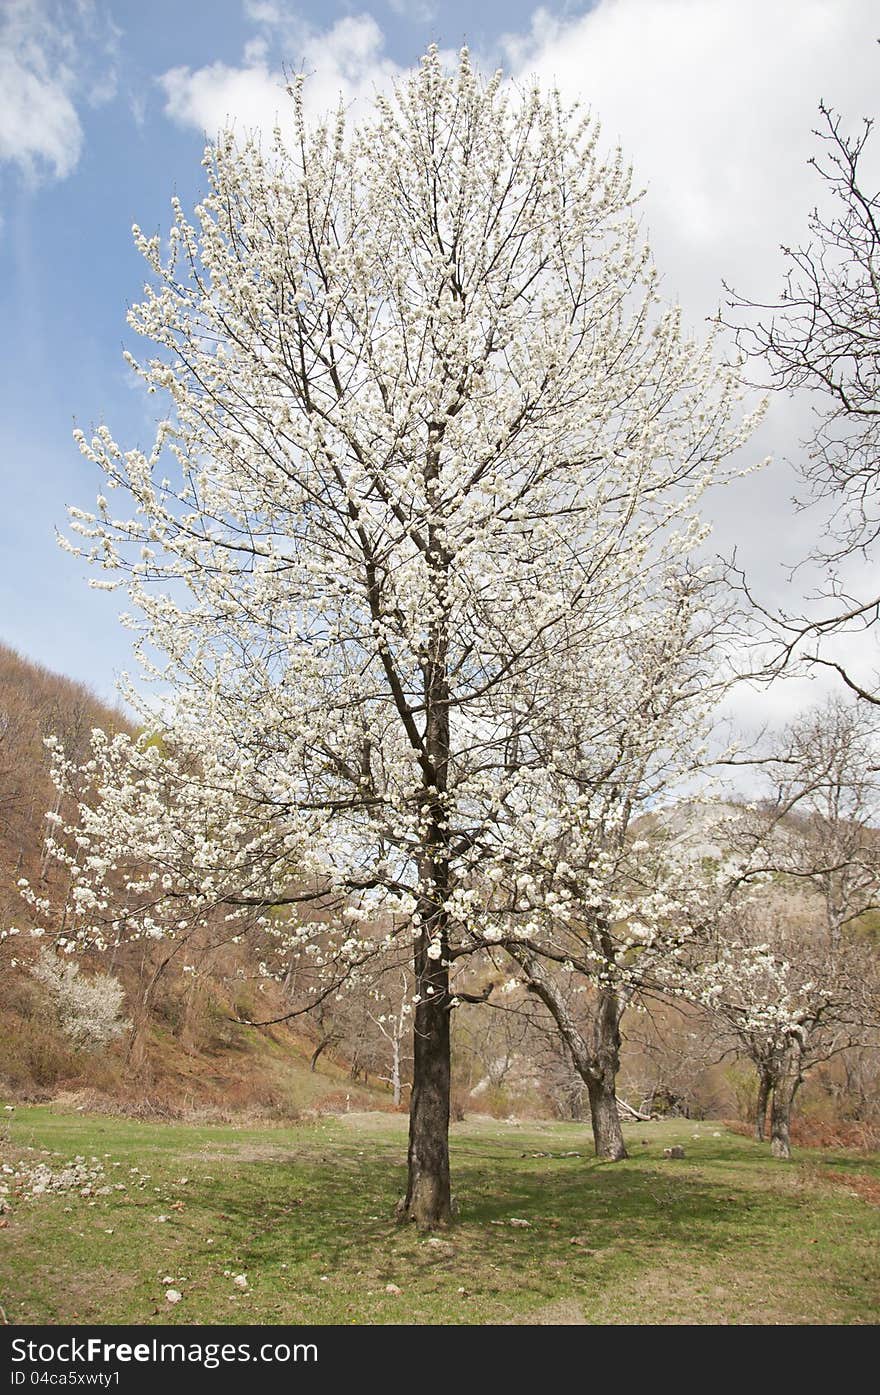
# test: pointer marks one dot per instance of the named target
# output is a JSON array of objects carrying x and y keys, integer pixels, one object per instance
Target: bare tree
[
  {"x": 391, "y": 1017},
  {"x": 823, "y": 335}
]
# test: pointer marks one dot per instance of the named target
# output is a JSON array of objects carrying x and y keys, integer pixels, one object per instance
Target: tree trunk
[
  {"x": 765, "y": 1085},
  {"x": 428, "y": 1199},
  {"x": 784, "y": 1092},
  {"x": 428, "y": 1195},
  {"x": 785, "y": 1088},
  {"x": 135, "y": 1051},
  {"x": 607, "y": 1131},
  {"x": 597, "y": 1065}
]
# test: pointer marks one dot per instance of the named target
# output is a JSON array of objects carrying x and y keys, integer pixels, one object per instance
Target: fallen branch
[{"x": 628, "y": 1112}]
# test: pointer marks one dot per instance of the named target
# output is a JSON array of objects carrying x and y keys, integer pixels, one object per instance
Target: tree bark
[
  {"x": 597, "y": 1065},
  {"x": 607, "y": 1131},
  {"x": 784, "y": 1092},
  {"x": 135, "y": 1058},
  {"x": 428, "y": 1196},
  {"x": 785, "y": 1088},
  {"x": 765, "y": 1085},
  {"x": 428, "y": 1199},
  {"x": 319, "y": 1049}
]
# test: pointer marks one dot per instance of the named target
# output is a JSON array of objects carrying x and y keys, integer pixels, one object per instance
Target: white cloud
[
  {"x": 264, "y": 11},
  {"x": 51, "y": 56},
  {"x": 714, "y": 102},
  {"x": 417, "y": 11},
  {"x": 348, "y": 59},
  {"x": 38, "y": 121}
]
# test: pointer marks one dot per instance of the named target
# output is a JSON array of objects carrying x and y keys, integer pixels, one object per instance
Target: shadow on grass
[{"x": 313, "y": 1211}]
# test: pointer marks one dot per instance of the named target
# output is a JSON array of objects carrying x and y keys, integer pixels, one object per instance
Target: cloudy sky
[{"x": 104, "y": 108}]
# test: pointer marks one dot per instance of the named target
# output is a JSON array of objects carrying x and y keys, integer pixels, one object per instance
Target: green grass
[{"x": 727, "y": 1235}]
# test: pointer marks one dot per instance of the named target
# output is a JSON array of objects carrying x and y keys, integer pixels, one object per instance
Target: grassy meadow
[{"x": 305, "y": 1213}]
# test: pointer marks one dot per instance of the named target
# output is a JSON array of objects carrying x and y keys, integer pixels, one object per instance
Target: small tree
[
  {"x": 584, "y": 897},
  {"x": 780, "y": 997},
  {"x": 391, "y": 1017},
  {"x": 793, "y": 983},
  {"x": 89, "y": 1008}
]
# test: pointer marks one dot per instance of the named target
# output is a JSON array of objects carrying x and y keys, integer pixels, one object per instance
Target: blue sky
[{"x": 102, "y": 118}]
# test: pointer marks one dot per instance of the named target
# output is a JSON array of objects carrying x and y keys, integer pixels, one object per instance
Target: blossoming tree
[
  {"x": 793, "y": 981},
  {"x": 432, "y": 439},
  {"x": 585, "y": 897}
]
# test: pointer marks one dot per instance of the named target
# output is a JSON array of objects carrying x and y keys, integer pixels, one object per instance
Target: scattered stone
[
  {"x": 240, "y": 1281},
  {"x": 675, "y": 1152},
  {"x": 173, "y": 1295},
  {"x": 38, "y": 1179},
  {"x": 392, "y": 1288},
  {"x": 516, "y": 1220},
  {"x": 569, "y": 1154},
  {"x": 441, "y": 1247}
]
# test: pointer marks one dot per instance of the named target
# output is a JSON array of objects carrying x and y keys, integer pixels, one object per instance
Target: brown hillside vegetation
[
  {"x": 185, "y": 1051},
  {"x": 34, "y": 704}
]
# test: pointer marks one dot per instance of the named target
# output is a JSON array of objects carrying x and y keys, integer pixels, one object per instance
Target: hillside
[
  {"x": 189, "y": 1054},
  {"x": 186, "y": 1051},
  {"x": 34, "y": 704}
]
